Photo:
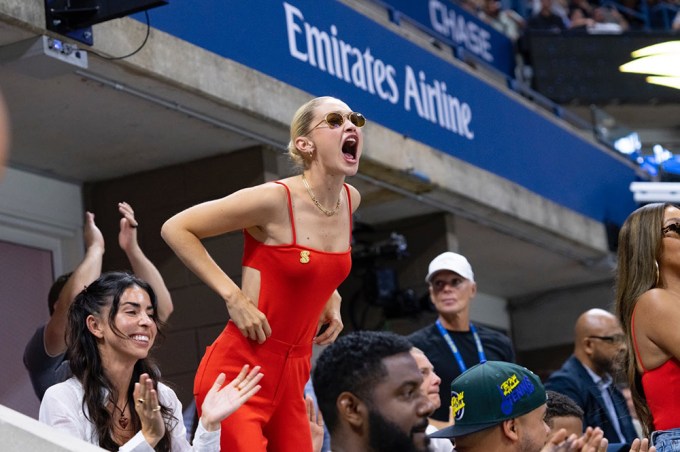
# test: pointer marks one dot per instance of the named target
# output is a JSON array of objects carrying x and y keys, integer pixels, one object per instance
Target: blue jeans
[{"x": 666, "y": 440}]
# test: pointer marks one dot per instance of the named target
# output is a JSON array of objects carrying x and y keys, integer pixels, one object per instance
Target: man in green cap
[{"x": 500, "y": 406}]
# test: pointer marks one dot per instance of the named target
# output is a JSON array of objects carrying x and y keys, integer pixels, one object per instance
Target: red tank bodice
[
  {"x": 295, "y": 282},
  {"x": 662, "y": 390}
]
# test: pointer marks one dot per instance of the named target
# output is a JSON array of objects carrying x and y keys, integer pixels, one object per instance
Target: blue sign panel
[
  {"x": 333, "y": 50},
  {"x": 457, "y": 26}
]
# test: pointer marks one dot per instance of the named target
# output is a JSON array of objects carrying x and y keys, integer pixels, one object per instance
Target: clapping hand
[
  {"x": 591, "y": 441},
  {"x": 221, "y": 401},
  {"x": 315, "y": 423},
  {"x": 127, "y": 237},
  {"x": 148, "y": 409},
  {"x": 642, "y": 446},
  {"x": 92, "y": 236}
]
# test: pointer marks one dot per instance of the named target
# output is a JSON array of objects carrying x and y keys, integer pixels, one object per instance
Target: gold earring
[{"x": 656, "y": 265}]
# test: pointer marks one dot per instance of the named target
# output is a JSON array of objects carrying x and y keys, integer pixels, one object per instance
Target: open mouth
[{"x": 349, "y": 148}]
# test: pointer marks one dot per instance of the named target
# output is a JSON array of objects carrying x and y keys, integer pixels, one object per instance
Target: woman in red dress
[{"x": 297, "y": 252}]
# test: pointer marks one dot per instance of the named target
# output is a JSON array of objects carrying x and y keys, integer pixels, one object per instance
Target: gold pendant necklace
[{"x": 328, "y": 213}]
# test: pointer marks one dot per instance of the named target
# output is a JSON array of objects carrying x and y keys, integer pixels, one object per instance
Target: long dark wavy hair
[
  {"x": 637, "y": 271},
  {"x": 86, "y": 364}
]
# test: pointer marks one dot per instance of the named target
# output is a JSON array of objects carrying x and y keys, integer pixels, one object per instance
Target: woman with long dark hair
[
  {"x": 115, "y": 398},
  {"x": 648, "y": 306}
]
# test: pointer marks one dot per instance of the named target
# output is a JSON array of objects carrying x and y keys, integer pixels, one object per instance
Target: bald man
[{"x": 586, "y": 377}]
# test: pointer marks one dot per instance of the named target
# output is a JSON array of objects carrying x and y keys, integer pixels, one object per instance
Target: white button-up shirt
[{"x": 62, "y": 408}]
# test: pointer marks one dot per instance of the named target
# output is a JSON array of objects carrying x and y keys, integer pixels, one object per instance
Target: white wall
[
  {"x": 44, "y": 213},
  {"x": 548, "y": 320},
  {"x": 41, "y": 233},
  {"x": 491, "y": 310}
]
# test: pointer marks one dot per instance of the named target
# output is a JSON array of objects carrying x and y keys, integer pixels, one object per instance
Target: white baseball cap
[{"x": 452, "y": 262}]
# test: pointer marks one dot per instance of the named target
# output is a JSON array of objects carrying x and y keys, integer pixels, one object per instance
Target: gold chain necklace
[{"x": 328, "y": 213}]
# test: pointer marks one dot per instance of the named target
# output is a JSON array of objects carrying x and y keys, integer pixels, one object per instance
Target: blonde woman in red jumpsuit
[{"x": 297, "y": 251}]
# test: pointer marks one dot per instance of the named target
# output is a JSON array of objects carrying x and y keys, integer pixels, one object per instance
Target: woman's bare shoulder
[
  {"x": 268, "y": 193},
  {"x": 355, "y": 196},
  {"x": 657, "y": 305}
]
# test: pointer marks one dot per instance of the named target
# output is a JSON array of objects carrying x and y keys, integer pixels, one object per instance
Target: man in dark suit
[{"x": 586, "y": 376}]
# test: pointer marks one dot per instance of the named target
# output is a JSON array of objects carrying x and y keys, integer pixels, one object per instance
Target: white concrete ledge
[{"x": 20, "y": 433}]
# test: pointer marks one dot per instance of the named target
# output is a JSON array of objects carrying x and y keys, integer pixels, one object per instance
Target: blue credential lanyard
[{"x": 459, "y": 358}]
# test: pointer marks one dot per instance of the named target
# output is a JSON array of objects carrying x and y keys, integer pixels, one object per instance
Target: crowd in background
[{"x": 578, "y": 15}]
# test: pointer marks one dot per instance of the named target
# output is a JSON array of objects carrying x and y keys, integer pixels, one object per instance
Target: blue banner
[
  {"x": 326, "y": 48},
  {"x": 462, "y": 29}
]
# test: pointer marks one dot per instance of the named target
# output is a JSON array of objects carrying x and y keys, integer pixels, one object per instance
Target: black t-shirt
[
  {"x": 497, "y": 347},
  {"x": 44, "y": 370}
]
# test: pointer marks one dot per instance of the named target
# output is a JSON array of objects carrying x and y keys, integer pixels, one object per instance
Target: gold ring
[
  {"x": 158, "y": 408},
  {"x": 140, "y": 400}
]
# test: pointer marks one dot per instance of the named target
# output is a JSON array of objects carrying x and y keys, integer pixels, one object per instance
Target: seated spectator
[
  {"x": 500, "y": 406},
  {"x": 607, "y": 20},
  {"x": 112, "y": 325},
  {"x": 367, "y": 385},
  {"x": 45, "y": 353},
  {"x": 507, "y": 21},
  {"x": 584, "y": 5},
  {"x": 471, "y": 6},
  {"x": 563, "y": 412},
  {"x": 579, "y": 20},
  {"x": 587, "y": 376},
  {"x": 545, "y": 19},
  {"x": 430, "y": 388},
  {"x": 676, "y": 22}
]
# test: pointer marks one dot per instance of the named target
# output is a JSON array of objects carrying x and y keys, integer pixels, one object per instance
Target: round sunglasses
[{"x": 335, "y": 119}]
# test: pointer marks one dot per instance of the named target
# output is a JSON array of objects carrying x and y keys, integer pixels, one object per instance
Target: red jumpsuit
[{"x": 295, "y": 284}]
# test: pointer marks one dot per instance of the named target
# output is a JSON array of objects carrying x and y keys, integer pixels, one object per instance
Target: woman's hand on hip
[
  {"x": 252, "y": 323},
  {"x": 331, "y": 317}
]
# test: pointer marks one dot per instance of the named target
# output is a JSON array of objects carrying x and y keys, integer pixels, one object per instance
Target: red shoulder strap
[
  {"x": 290, "y": 210},
  {"x": 349, "y": 205}
]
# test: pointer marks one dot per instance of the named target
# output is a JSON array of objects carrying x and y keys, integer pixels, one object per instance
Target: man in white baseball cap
[{"x": 452, "y": 343}]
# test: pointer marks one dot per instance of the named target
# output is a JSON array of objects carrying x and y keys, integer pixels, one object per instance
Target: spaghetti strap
[
  {"x": 290, "y": 211},
  {"x": 635, "y": 345},
  {"x": 349, "y": 206}
]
